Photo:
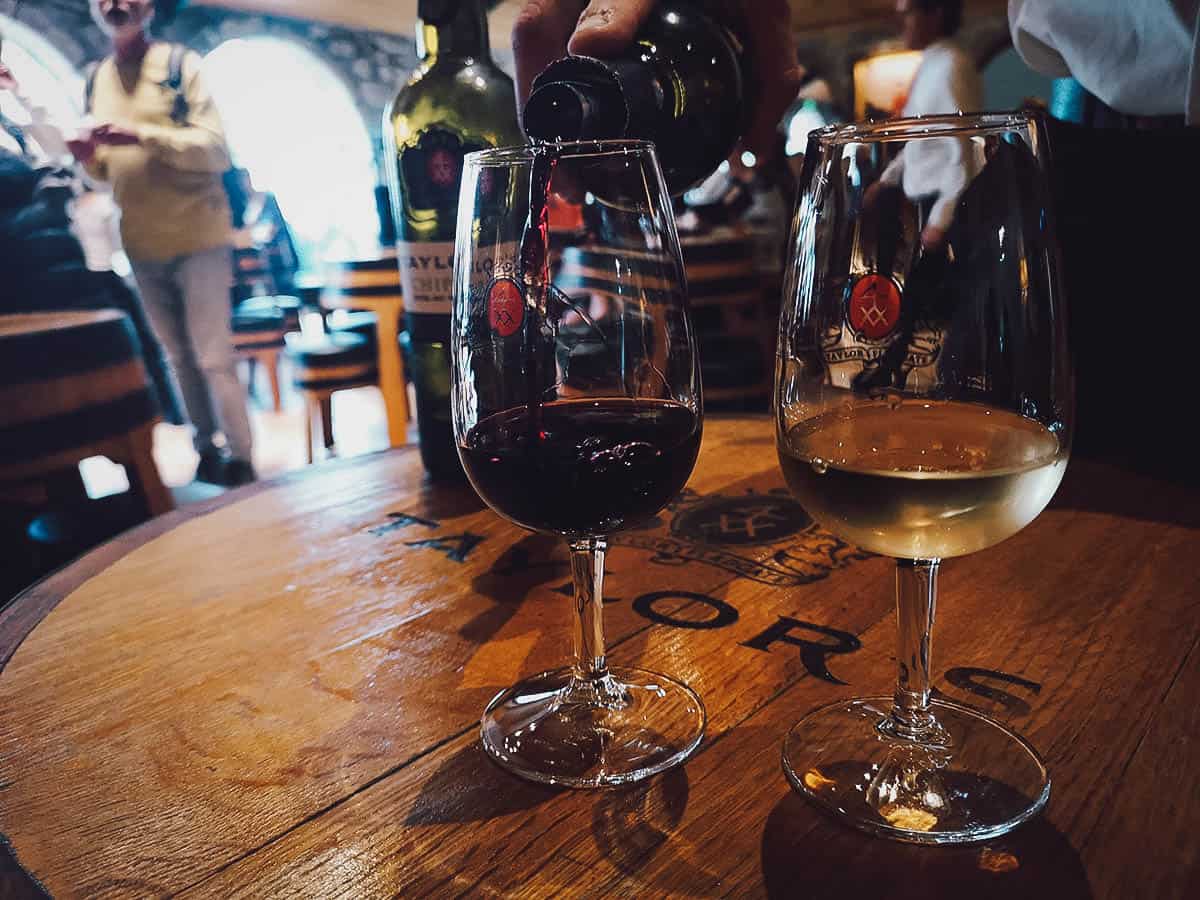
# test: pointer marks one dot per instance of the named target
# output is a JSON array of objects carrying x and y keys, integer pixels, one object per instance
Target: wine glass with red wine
[
  {"x": 924, "y": 406},
  {"x": 577, "y": 412}
]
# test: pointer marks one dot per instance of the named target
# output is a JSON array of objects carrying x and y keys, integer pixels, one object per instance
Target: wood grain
[{"x": 280, "y": 696}]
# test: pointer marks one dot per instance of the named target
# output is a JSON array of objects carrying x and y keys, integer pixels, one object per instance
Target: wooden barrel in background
[
  {"x": 725, "y": 289},
  {"x": 68, "y": 380},
  {"x": 73, "y": 385}
]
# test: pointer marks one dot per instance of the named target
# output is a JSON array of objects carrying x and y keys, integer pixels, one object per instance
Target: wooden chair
[
  {"x": 258, "y": 331},
  {"x": 373, "y": 285},
  {"x": 321, "y": 366},
  {"x": 252, "y": 274},
  {"x": 72, "y": 386}
]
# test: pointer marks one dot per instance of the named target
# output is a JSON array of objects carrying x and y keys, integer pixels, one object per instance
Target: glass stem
[
  {"x": 587, "y": 570},
  {"x": 916, "y": 600}
]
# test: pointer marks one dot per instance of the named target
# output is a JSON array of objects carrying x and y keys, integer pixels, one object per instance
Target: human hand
[
  {"x": 546, "y": 30},
  {"x": 871, "y": 194},
  {"x": 82, "y": 148},
  {"x": 933, "y": 238},
  {"x": 110, "y": 135},
  {"x": 8, "y": 81}
]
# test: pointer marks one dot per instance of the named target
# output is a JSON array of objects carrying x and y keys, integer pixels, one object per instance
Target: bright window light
[
  {"x": 301, "y": 136},
  {"x": 45, "y": 76}
]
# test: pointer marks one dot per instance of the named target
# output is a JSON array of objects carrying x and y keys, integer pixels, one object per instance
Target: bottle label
[
  {"x": 431, "y": 172},
  {"x": 426, "y": 276}
]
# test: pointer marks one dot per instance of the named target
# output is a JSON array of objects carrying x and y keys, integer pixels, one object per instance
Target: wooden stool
[
  {"x": 72, "y": 386},
  {"x": 286, "y": 306},
  {"x": 373, "y": 285},
  {"x": 309, "y": 289},
  {"x": 323, "y": 365},
  {"x": 258, "y": 338}
]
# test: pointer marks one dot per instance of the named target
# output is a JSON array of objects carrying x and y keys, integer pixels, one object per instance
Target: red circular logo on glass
[
  {"x": 506, "y": 306},
  {"x": 443, "y": 168},
  {"x": 874, "y": 306}
]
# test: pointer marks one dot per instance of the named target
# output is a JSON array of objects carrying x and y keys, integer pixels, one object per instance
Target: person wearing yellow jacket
[{"x": 158, "y": 140}]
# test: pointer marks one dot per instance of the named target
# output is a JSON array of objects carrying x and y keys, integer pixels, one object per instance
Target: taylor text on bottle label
[{"x": 427, "y": 276}]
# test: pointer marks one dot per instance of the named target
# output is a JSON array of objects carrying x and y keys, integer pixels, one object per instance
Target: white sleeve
[
  {"x": 1138, "y": 57},
  {"x": 43, "y": 130}
]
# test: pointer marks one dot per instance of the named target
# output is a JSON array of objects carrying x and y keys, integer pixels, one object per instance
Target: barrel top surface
[
  {"x": 12, "y": 324},
  {"x": 277, "y": 692}
]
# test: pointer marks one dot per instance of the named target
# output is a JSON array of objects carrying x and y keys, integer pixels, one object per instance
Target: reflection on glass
[
  {"x": 577, "y": 412},
  {"x": 924, "y": 407}
]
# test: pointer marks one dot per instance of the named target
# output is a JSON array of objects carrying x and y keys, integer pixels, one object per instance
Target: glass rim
[
  {"x": 524, "y": 153},
  {"x": 916, "y": 127}
]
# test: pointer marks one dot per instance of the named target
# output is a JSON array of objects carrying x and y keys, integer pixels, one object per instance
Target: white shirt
[
  {"x": 947, "y": 81},
  {"x": 1141, "y": 57}
]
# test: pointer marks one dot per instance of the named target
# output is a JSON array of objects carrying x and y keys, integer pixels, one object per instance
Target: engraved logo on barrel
[
  {"x": 753, "y": 519},
  {"x": 764, "y": 537}
]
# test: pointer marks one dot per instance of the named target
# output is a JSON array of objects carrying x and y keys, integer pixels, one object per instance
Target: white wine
[{"x": 920, "y": 479}]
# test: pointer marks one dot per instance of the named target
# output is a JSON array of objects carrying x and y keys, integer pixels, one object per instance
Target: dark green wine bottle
[
  {"x": 681, "y": 84},
  {"x": 456, "y": 101}
]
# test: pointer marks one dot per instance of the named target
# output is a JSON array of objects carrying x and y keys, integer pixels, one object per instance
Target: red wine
[{"x": 590, "y": 468}]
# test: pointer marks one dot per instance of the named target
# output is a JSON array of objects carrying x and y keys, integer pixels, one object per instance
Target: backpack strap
[
  {"x": 174, "y": 82},
  {"x": 89, "y": 85}
]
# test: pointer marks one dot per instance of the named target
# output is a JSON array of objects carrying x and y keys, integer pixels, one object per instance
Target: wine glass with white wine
[{"x": 924, "y": 407}]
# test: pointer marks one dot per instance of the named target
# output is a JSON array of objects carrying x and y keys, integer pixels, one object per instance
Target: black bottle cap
[
  {"x": 578, "y": 98},
  {"x": 437, "y": 12},
  {"x": 562, "y": 112}
]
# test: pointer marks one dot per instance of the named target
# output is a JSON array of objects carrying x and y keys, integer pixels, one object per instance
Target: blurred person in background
[
  {"x": 50, "y": 261},
  {"x": 1125, "y": 141},
  {"x": 160, "y": 144},
  {"x": 40, "y": 138},
  {"x": 947, "y": 81},
  {"x": 259, "y": 223}
]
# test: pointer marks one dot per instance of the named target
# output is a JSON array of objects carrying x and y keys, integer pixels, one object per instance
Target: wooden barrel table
[
  {"x": 277, "y": 695},
  {"x": 373, "y": 285},
  {"x": 73, "y": 385}
]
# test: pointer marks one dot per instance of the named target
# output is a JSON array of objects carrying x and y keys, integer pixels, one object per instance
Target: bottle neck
[
  {"x": 579, "y": 98},
  {"x": 452, "y": 29}
]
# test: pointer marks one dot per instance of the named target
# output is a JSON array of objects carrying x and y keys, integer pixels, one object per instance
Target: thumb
[{"x": 607, "y": 27}]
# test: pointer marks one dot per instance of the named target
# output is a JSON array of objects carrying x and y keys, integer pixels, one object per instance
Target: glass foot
[
  {"x": 975, "y": 780},
  {"x": 557, "y": 729}
]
